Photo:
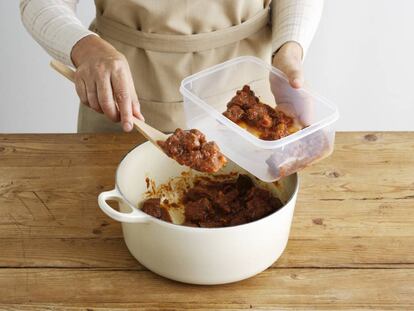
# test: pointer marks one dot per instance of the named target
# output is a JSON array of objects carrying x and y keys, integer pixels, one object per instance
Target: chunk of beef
[
  {"x": 153, "y": 207},
  {"x": 191, "y": 148},
  {"x": 260, "y": 119}
]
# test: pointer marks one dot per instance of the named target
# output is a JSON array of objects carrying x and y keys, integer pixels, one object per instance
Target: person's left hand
[{"x": 288, "y": 59}]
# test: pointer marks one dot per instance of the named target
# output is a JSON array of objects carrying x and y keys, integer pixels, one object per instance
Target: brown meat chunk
[
  {"x": 191, "y": 148},
  {"x": 260, "y": 119},
  {"x": 234, "y": 113},
  {"x": 244, "y": 98},
  {"x": 198, "y": 211},
  {"x": 153, "y": 207},
  {"x": 260, "y": 203},
  {"x": 243, "y": 184}
]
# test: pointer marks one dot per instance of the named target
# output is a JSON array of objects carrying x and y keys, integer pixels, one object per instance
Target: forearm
[
  {"x": 295, "y": 20},
  {"x": 54, "y": 25}
]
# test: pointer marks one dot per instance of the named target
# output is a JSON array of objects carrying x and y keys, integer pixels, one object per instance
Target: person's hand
[
  {"x": 288, "y": 96},
  {"x": 288, "y": 59},
  {"x": 103, "y": 81}
]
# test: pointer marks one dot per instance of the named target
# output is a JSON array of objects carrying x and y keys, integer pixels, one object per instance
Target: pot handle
[{"x": 136, "y": 216}]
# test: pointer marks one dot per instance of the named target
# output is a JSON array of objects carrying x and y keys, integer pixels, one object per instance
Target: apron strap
[{"x": 181, "y": 43}]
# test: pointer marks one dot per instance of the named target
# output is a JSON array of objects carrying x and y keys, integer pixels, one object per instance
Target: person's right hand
[
  {"x": 286, "y": 90},
  {"x": 103, "y": 80}
]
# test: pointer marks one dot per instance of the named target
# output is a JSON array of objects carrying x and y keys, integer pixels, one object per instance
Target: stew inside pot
[{"x": 218, "y": 203}]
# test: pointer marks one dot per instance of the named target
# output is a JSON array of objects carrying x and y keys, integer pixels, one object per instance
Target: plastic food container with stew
[{"x": 207, "y": 93}]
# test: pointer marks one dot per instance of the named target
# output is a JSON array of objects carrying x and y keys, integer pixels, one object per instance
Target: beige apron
[{"x": 166, "y": 40}]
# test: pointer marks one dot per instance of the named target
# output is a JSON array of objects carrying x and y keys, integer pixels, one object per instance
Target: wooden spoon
[{"x": 150, "y": 133}]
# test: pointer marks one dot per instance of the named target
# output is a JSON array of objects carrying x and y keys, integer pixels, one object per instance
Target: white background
[{"x": 361, "y": 59}]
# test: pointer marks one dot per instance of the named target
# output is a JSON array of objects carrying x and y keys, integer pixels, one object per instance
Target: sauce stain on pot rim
[{"x": 198, "y": 229}]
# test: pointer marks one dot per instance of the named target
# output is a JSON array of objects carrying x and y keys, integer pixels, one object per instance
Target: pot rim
[{"x": 198, "y": 229}]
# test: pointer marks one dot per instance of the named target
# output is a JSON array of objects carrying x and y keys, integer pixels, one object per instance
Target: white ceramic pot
[{"x": 187, "y": 254}]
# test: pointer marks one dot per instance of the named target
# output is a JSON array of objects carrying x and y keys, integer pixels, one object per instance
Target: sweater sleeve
[
  {"x": 54, "y": 25},
  {"x": 295, "y": 20}
]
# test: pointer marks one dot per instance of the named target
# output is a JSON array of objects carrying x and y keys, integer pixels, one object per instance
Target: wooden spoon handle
[
  {"x": 148, "y": 131},
  {"x": 64, "y": 70}
]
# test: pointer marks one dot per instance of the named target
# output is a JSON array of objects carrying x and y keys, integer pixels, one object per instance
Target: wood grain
[
  {"x": 351, "y": 245},
  {"x": 199, "y": 307},
  {"x": 112, "y": 253},
  {"x": 272, "y": 287}
]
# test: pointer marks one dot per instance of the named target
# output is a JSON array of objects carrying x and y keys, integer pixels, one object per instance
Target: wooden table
[{"x": 351, "y": 245}]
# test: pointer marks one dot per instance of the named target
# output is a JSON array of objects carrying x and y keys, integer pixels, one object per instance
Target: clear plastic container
[{"x": 207, "y": 93}]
